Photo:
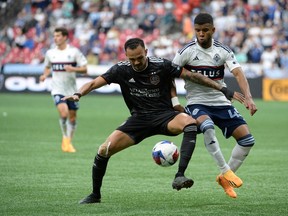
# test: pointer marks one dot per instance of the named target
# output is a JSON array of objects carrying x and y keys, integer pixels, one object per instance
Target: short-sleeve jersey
[
  {"x": 148, "y": 91},
  {"x": 211, "y": 63},
  {"x": 63, "y": 82}
]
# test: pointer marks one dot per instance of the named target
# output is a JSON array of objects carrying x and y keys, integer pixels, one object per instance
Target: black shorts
[{"x": 144, "y": 126}]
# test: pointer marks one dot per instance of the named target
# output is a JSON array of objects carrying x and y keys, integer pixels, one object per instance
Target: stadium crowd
[{"x": 256, "y": 30}]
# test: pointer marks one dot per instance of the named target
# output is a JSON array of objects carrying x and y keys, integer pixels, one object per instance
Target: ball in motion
[{"x": 165, "y": 153}]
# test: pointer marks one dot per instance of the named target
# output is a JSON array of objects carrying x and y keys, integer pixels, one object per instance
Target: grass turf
[{"x": 36, "y": 178}]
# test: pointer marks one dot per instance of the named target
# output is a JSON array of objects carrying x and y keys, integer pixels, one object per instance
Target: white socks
[
  {"x": 238, "y": 155},
  {"x": 63, "y": 126},
  {"x": 67, "y": 127},
  {"x": 70, "y": 129}
]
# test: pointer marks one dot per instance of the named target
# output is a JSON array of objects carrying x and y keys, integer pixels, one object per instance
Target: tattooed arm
[
  {"x": 205, "y": 81},
  {"x": 199, "y": 79}
]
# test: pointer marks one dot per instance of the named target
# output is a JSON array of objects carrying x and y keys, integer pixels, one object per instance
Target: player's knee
[
  {"x": 187, "y": 119},
  {"x": 207, "y": 124},
  {"x": 246, "y": 141},
  {"x": 104, "y": 149},
  {"x": 72, "y": 120},
  {"x": 191, "y": 121}
]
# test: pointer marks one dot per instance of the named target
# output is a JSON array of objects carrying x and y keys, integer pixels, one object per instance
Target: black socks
[
  {"x": 98, "y": 172},
  {"x": 187, "y": 148}
]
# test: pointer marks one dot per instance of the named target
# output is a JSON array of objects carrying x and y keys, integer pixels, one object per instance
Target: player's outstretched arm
[{"x": 86, "y": 88}]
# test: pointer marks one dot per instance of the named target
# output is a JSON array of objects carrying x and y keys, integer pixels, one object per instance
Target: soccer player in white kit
[
  {"x": 64, "y": 61},
  {"x": 209, "y": 57}
]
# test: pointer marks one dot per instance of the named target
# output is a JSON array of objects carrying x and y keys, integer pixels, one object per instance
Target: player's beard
[{"x": 140, "y": 67}]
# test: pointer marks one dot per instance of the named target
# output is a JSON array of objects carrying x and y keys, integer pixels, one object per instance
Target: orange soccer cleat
[
  {"x": 233, "y": 179},
  {"x": 229, "y": 190},
  {"x": 67, "y": 146}
]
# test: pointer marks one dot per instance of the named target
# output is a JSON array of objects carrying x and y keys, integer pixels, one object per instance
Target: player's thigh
[
  {"x": 63, "y": 110},
  {"x": 61, "y": 105},
  {"x": 177, "y": 124},
  {"x": 117, "y": 141}
]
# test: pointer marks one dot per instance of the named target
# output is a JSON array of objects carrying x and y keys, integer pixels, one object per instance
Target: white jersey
[
  {"x": 63, "y": 82},
  {"x": 210, "y": 62}
]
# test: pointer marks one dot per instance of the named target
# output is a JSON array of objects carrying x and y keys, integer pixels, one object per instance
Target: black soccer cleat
[
  {"x": 91, "y": 198},
  {"x": 182, "y": 182}
]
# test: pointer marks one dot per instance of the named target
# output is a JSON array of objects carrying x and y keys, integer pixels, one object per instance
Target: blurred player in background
[
  {"x": 64, "y": 61},
  {"x": 146, "y": 84},
  {"x": 206, "y": 56}
]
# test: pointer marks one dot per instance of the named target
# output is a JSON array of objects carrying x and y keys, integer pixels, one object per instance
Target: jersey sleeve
[
  {"x": 47, "y": 62},
  {"x": 180, "y": 58},
  {"x": 111, "y": 76},
  {"x": 231, "y": 61},
  {"x": 174, "y": 69}
]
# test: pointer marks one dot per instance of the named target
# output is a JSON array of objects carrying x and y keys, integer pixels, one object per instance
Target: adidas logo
[
  {"x": 196, "y": 58},
  {"x": 131, "y": 80}
]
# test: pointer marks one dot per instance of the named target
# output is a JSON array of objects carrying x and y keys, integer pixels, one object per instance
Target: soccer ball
[{"x": 165, "y": 153}]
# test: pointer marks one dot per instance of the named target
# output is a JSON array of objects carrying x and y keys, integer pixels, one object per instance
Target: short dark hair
[
  {"x": 133, "y": 43},
  {"x": 63, "y": 31},
  {"x": 203, "y": 18}
]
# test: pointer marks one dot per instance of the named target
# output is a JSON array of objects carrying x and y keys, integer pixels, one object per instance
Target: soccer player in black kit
[{"x": 145, "y": 84}]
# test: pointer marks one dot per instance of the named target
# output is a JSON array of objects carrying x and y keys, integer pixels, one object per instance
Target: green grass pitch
[{"x": 36, "y": 178}]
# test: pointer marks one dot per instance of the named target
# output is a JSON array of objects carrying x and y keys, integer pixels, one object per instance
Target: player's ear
[
  {"x": 146, "y": 51},
  {"x": 213, "y": 30}
]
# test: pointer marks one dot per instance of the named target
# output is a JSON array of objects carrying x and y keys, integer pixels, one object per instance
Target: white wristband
[{"x": 175, "y": 101}]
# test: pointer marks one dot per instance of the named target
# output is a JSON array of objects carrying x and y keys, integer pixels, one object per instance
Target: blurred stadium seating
[{"x": 256, "y": 30}]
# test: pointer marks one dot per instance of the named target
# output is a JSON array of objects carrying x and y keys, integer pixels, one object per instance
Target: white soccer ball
[{"x": 165, "y": 153}]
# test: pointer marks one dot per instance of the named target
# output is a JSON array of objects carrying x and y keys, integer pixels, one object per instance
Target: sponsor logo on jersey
[
  {"x": 213, "y": 72},
  {"x": 58, "y": 67}
]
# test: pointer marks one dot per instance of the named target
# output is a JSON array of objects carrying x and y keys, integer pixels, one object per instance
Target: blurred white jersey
[
  {"x": 63, "y": 82},
  {"x": 211, "y": 63}
]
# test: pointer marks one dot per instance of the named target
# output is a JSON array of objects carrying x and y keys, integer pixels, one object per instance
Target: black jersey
[{"x": 148, "y": 91}]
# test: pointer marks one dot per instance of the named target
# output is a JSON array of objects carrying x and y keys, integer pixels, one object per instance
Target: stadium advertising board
[
  {"x": 25, "y": 78},
  {"x": 275, "y": 89},
  {"x": 31, "y": 83}
]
